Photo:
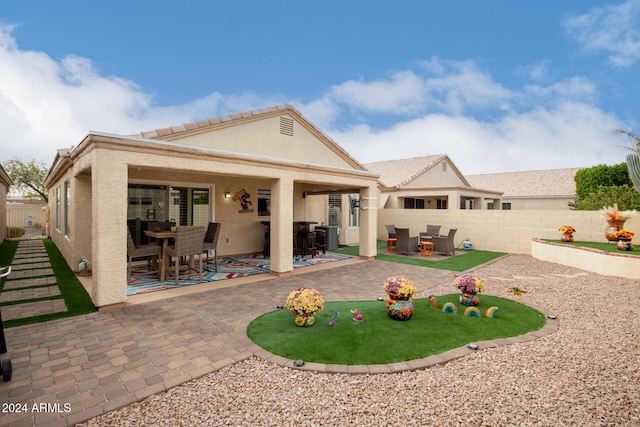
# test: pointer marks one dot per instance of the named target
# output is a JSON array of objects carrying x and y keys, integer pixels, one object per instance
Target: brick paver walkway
[{"x": 84, "y": 366}]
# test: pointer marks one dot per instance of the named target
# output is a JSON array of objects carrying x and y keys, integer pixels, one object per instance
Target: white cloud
[
  {"x": 570, "y": 135},
  {"x": 613, "y": 29}
]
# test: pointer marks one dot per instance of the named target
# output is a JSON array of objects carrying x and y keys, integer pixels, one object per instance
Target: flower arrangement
[
  {"x": 399, "y": 286},
  {"x": 305, "y": 302},
  {"x": 623, "y": 234},
  {"x": 567, "y": 229},
  {"x": 611, "y": 213},
  {"x": 469, "y": 283}
]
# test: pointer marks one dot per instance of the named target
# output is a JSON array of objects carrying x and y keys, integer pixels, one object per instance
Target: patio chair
[
  {"x": 211, "y": 242},
  {"x": 405, "y": 244},
  {"x": 391, "y": 230},
  {"x": 432, "y": 230},
  {"x": 189, "y": 243},
  {"x": 444, "y": 244},
  {"x": 137, "y": 252}
]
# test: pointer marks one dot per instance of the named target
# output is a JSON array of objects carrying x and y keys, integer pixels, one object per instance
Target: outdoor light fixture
[{"x": 227, "y": 194}]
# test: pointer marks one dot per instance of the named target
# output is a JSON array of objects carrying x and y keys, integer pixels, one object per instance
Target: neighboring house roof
[
  {"x": 397, "y": 173},
  {"x": 174, "y": 132},
  {"x": 551, "y": 182}
]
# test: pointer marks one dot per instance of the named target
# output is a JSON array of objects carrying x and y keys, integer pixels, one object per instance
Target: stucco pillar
[
  {"x": 282, "y": 225},
  {"x": 108, "y": 238},
  {"x": 368, "y": 221}
]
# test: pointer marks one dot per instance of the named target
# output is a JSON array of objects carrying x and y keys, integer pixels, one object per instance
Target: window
[
  {"x": 57, "y": 196},
  {"x": 264, "y": 202},
  {"x": 67, "y": 203},
  {"x": 335, "y": 207},
  {"x": 189, "y": 206},
  {"x": 506, "y": 206},
  {"x": 441, "y": 204},
  {"x": 490, "y": 205},
  {"x": 412, "y": 203}
]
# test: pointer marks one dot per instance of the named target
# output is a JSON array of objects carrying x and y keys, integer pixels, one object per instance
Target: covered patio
[{"x": 198, "y": 173}]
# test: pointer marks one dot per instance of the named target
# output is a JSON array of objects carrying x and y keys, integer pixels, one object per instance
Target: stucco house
[
  {"x": 551, "y": 189},
  {"x": 190, "y": 173},
  {"x": 5, "y": 185},
  {"x": 430, "y": 182}
]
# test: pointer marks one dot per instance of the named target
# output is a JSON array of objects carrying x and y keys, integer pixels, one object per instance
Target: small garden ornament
[{"x": 518, "y": 294}]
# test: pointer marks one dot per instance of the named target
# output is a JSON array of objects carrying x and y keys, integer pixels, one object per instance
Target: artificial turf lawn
[
  {"x": 604, "y": 246},
  {"x": 465, "y": 261},
  {"x": 75, "y": 296},
  {"x": 379, "y": 339}
]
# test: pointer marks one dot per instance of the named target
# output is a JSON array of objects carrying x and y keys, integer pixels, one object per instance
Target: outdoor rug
[
  {"x": 229, "y": 267},
  {"x": 143, "y": 282},
  {"x": 257, "y": 260}
]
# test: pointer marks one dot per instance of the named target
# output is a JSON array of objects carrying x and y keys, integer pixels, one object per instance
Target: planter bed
[{"x": 611, "y": 262}]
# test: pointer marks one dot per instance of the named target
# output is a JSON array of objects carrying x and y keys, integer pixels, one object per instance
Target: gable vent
[{"x": 286, "y": 126}]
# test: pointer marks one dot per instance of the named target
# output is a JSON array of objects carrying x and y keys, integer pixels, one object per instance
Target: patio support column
[
  {"x": 368, "y": 221},
  {"x": 282, "y": 225},
  {"x": 109, "y": 179}
]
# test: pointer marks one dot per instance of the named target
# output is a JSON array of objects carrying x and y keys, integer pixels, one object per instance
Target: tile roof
[
  {"x": 550, "y": 182},
  {"x": 396, "y": 173}
]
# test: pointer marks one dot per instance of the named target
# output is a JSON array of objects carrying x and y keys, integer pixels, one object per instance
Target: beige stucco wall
[
  {"x": 501, "y": 231},
  {"x": 437, "y": 176},
  {"x": 540, "y": 203},
  {"x": 3, "y": 211},
  {"x": 262, "y": 137},
  {"x": 607, "y": 263}
]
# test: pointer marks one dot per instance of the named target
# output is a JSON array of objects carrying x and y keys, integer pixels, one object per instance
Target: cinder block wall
[{"x": 502, "y": 231}]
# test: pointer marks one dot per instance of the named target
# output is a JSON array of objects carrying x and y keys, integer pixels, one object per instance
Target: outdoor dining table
[{"x": 164, "y": 236}]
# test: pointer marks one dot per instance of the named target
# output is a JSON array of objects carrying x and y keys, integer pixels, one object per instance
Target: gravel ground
[{"x": 586, "y": 373}]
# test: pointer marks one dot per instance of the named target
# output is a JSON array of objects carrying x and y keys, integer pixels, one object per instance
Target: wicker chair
[
  {"x": 406, "y": 244},
  {"x": 140, "y": 251},
  {"x": 432, "y": 230},
  {"x": 444, "y": 244},
  {"x": 211, "y": 242},
  {"x": 189, "y": 243}
]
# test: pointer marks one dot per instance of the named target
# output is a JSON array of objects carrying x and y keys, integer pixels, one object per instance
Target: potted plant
[
  {"x": 567, "y": 233},
  {"x": 615, "y": 220},
  {"x": 304, "y": 303},
  {"x": 469, "y": 286},
  {"x": 624, "y": 237},
  {"x": 400, "y": 301}
]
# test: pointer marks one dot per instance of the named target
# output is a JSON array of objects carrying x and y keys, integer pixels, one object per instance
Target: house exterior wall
[
  {"x": 540, "y": 203},
  {"x": 3, "y": 211},
  {"x": 437, "y": 176},
  {"x": 262, "y": 137},
  {"x": 500, "y": 231}
]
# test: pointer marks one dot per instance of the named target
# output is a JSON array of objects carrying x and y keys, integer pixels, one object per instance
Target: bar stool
[
  {"x": 309, "y": 243},
  {"x": 321, "y": 240}
]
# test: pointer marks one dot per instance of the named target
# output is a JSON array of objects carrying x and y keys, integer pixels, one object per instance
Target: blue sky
[{"x": 497, "y": 85}]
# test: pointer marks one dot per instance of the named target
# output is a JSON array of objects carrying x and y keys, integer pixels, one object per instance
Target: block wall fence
[{"x": 502, "y": 230}]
